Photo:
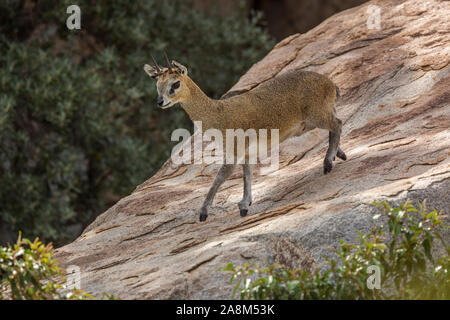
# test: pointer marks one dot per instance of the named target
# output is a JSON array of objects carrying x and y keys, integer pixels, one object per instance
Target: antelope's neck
[{"x": 199, "y": 106}]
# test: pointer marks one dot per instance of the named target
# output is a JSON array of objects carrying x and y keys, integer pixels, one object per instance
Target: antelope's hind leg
[
  {"x": 224, "y": 172},
  {"x": 247, "y": 198},
  {"x": 335, "y": 129},
  {"x": 340, "y": 154}
]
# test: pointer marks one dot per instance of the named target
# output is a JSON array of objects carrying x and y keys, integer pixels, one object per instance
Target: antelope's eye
[{"x": 176, "y": 85}]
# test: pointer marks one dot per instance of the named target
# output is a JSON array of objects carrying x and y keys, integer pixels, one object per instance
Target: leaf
[{"x": 426, "y": 243}]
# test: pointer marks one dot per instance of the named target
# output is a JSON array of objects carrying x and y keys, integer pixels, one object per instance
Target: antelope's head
[{"x": 171, "y": 82}]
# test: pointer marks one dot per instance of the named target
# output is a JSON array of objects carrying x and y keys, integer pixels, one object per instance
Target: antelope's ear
[
  {"x": 151, "y": 71},
  {"x": 179, "y": 67}
]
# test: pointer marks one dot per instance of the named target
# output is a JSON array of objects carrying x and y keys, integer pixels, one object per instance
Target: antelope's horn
[
  {"x": 156, "y": 64},
  {"x": 169, "y": 65}
]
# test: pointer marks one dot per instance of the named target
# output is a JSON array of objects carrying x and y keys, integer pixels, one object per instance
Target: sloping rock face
[{"x": 395, "y": 101}]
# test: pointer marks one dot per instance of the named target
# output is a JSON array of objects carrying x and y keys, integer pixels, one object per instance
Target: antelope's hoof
[
  {"x": 327, "y": 166},
  {"x": 203, "y": 214},
  {"x": 243, "y": 212},
  {"x": 341, "y": 155}
]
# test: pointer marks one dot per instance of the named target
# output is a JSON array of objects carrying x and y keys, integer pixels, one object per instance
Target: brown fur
[{"x": 285, "y": 102}]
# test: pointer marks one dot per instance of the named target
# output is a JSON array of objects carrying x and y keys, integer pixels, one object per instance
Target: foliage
[
  {"x": 403, "y": 254},
  {"x": 27, "y": 270},
  {"x": 78, "y": 126}
]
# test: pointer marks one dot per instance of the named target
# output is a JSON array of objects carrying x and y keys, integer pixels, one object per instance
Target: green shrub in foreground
[
  {"x": 27, "y": 271},
  {"x": 402, "y": 252}
]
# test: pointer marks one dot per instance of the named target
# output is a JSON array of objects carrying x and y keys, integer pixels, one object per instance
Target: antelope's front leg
[
  {"x": 224, "y": 172},
  {"x": 247, "y": 199}
]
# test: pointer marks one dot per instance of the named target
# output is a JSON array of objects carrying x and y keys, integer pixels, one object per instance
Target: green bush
[
  {"x": 28, "y": 270},
  {"x": 409, "y": 268},
  {"x": 78, "y": 126}
]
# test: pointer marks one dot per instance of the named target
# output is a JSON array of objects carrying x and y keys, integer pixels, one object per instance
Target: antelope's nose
[{"x": 160, "y": 101}]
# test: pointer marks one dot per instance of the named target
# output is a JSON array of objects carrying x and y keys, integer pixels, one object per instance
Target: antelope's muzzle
[{"x": 160, "y": 101}]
